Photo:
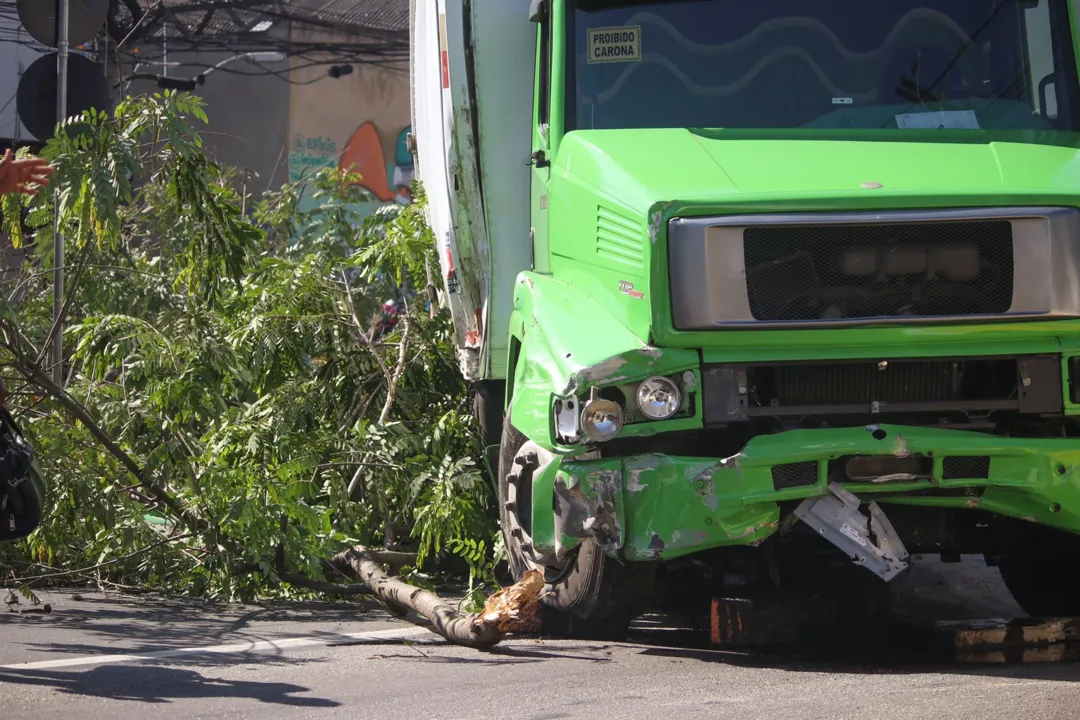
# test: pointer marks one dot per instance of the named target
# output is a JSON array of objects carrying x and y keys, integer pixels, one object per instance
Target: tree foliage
[{"x": 225, "y": 381}]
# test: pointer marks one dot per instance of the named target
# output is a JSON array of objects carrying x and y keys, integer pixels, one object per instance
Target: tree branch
[
  {"x": 510, "y": 610},
  {"x": 391, "y": 394},
  {"x": 322, "y": 586},
  {"x": 59, "y": 319},
  {"x": 92, "y": 568},
  {"x": 391, "y": 391},
  {"x": 360, "y": 329},
  {"x": 96, "y": 266},
  {"x": 396, "y": 560},
  {"x": 155, "y": 492},
  {"x": 360, "y": 404}
]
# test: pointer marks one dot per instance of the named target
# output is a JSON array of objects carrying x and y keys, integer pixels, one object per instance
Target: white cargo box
[{"x": 472, "y": 96}]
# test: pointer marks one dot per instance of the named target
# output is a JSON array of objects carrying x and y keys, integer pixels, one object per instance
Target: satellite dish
[
  {"x": 36, "y": 97},
  {"x": 85, "y": 19}
]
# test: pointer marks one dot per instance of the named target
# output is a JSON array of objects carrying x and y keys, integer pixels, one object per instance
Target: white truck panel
[
  {"x": 437, "y": 163},
  {"x": 504, "y": 55},
  {"x": 472, "y": 70}
]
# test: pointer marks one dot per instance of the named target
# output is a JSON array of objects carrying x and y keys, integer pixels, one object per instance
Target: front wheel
[
  {"x": 1042, "y": 582},
  {"x": 593, "y": 594}
]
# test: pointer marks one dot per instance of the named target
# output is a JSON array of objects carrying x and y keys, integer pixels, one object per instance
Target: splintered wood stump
[{"x": 512, "y": 609}]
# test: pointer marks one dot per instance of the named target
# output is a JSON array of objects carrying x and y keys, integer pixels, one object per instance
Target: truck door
[{"x": 541, "y": 143}]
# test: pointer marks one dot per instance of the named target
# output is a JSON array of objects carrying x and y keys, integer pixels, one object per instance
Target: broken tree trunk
[{"x": 511, "y": 609}]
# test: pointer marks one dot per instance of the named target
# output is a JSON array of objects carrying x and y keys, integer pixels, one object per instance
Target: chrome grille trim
[{"x": 708, "y": 270}]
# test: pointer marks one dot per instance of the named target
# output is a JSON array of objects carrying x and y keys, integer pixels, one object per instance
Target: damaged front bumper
[{"x": 661, "y": 507}]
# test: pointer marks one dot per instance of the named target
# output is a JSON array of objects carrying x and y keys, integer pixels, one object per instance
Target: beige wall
[{"x": 355, "y": 119}]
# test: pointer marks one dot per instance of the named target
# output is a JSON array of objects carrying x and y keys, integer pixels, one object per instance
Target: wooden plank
[
  {"x": 1023, "y": 640},
  {"x": 1026, "y": 656}
]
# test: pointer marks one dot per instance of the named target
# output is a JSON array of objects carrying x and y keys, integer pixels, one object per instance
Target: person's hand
[{"x": 23, "y": 176}]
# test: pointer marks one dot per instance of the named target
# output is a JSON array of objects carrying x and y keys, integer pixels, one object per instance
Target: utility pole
[
  {"x": 60, "y": 26},
  {"x": 58, "y": 235}
]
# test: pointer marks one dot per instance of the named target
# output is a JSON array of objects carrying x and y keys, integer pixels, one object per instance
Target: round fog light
[
  {"x": 601, "y": 420},
  {"x": 658, "y": 398}
]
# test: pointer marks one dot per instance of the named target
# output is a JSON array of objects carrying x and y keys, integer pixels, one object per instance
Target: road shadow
[
  {"x": 853, "y": 660},
  {"x": 146, "y": 625},
  {"x": 902, "y": 648},
  {"x": 244, "y": 652},
  {"x": 931, "y": 591},
  {"x": 152, "y": 684},
  {"x": 503, "y": 654}
]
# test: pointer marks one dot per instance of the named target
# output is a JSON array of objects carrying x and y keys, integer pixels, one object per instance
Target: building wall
[
  {"x": 356, "y": 122},
  {"x": 276, "y": 130},
  {"x": 248, "y": 115}
]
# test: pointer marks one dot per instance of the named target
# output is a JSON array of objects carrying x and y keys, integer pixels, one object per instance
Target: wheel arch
[{"x": 513, "y": 353}]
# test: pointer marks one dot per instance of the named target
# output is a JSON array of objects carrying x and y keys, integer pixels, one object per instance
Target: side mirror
[{"x": 537, "y": 10}]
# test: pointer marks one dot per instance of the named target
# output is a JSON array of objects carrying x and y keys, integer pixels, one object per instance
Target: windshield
[{"x": 970, "y": 64}]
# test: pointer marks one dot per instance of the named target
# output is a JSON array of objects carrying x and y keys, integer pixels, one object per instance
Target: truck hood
[{"x": 639, "y": 168}]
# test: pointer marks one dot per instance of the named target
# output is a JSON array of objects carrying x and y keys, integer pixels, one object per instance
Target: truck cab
[{"x": 763, "y": 284}]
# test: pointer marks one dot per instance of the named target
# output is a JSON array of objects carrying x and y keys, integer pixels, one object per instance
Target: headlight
[
  {"x": 601, "y": 420},
  {"x": 658, "y": 398}
]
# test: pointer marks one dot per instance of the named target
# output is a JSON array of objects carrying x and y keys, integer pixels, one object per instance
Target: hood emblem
[{"x": 871, "y": 186}]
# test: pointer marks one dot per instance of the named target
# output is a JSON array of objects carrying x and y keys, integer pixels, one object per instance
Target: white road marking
[{"x": 249, "y": 647}]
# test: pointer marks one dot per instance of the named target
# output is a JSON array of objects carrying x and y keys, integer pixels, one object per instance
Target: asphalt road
[{"x": 106, "y": 657}]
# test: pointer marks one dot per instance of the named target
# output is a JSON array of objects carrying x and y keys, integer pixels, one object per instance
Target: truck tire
[
  {"x": 590, "y": 594},
  {"x": 488, "y": 400},
  {"x": 489, "y": 396},
  {"x": 1041, "y": 582}
]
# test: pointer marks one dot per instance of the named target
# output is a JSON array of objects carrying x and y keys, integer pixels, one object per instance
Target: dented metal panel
[
  {"x": 562, "y": 357},
  {"x": 589, "y": 505},
  {"x": 661, "y": 507},
  {"x": 870, "y": 541}
]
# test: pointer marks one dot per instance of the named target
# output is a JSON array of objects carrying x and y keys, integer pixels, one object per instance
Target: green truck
[{"x": 729, "y": 276}]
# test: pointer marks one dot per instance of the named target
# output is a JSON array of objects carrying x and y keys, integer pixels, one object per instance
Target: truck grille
[
  {"x": 898, "y": 381},
  {"x": 833, "y": 272},
  {"x": 903, "y": 381},
  {"x": 966, "y": 468},
  {"x": 792, "y": 475},
  {"x": 930, "y": 387}
]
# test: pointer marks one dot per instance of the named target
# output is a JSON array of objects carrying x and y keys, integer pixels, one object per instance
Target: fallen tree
[{"x": 238, "y": 416}]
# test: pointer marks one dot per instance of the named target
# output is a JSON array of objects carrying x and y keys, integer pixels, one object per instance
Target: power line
[
  {"x": 207, "y": 29},
  {"x": 309, "y": 55},
  {"x": 233, "y": 26}
]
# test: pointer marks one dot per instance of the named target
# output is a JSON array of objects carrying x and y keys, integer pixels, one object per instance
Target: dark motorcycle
[{"x": 22, "y": 488}]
